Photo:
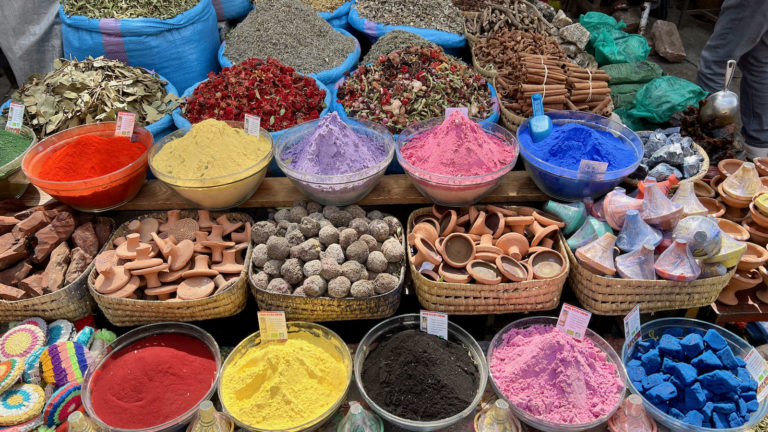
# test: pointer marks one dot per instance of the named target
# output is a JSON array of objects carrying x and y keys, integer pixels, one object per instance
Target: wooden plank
[
  {"x": 515, "y": 187},
  {"x": 749, "y": 309}
]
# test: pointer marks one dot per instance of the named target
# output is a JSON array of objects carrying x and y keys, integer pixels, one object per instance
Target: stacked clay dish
[
  {"x": 310, "y": 250},
  {"x": 485, "y": 246},
  {"x": 179, "y": 259}
]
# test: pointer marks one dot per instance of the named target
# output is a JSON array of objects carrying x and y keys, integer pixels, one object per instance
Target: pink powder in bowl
[{"x": 555, "y": 377}]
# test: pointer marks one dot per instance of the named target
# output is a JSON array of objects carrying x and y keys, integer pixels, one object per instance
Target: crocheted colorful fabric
[
  {"x": 10, "y": 371},
  {"x": 32, "y": 374},
  {"x": 85, "y": 336},
  {"x": 65, "y": 362},
  {"x": 62, "y": 403},
  {"x": 60, "y": 331},
  {"x": 20, "y": 341},
  {"x": 37, "y": 321},
  {"x": 27, "y": 426},
  {"x": 21, "y": 403}
]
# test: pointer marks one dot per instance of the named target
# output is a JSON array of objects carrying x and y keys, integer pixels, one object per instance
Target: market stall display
[{"x": 13, "y": 145}]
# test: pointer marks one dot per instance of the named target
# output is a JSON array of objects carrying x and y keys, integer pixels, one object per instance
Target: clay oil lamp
[
  {"x": 573, "y": 214},
  {"x": 591, "y": 230},
  {"x": 478, "y": 226},
  {"x": 597, "y": 256},
  {"x": 423, "y": 229},
  {"x": 702, "y": 234},
  {"x": 677, "y": 263},
  {"x": 452, "y": 274},
  {"x": 511, "y": 268},
  {"x": 638, "y": 264},
  {"x": 513, "y": 244},
  {"x": 754, "y": 257},
  {"x": 425, "y": 252},
  {"x": 636, "y": 232},
  {"x": 730, "y": 252},
  {"x": 504, "y": 212},
  {"x": 458, "y": 250},
  {"x": 547, "y": 264},
  {"x": 448, "y": 222},
  {"x": 195, "y": 288},
  {"x": 740, "y": 281},
  {"x": 733, "y": 229},
  {"x": 496, "y": 223},
  {"x": 616, "y": 204},
  {"x": 430, "y": 274},
  {"x": 744, "y": 183},
  {"x": 546, "y": 221},
  {"x": 658, "y": 210},
  {"x": 686, "y": 197},
  {"x": 484, "y": 272},
  {"x": 757, "y": 234},
  {"x": 727, "y": 167},
  {"x": 485, "y": 250},
  {"x": 430, "y": 218},
  {"x": 714, "y": 207},
  {"x": 438, "y": 211},
  {"x": 111, "y": 279},
  {"x": 517, "y": 224},
  {"x": 543, "y": 236},
  {"x": 762, "y": 291}
]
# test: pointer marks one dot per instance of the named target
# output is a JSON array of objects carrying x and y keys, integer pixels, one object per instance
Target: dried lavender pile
[
  {"x": 430, "y": 14},
  {"x": 291, "y": 32}
]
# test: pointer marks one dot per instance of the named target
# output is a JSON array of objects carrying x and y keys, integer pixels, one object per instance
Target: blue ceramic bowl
[{"x": 570, "y": 185}]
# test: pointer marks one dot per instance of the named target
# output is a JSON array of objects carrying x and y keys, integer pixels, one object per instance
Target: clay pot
[
  {"x": 458, "y": 250},
  {"x": 547, "y": 264},
  {"x": 638, "y": 264},
  {"x": 761, "y": 163},
  {"x": 484, "y": 272},
  {"x": 448, "y": 222},
  {"x": 425, "y": 251},
  {"x": 714, "y": 207},
  {"x": 496, "y": 223},
  {"x": 729, "y": 166},
  {"x": 744, "y": 183},
  {"x": 700, "y": 188},
  {"x": 511, "y": 268},
  {"x": 754, "y": 257},
  {"x": 438, "y": 211},
  {"x": 546, "y": 221},
  {"x": 757, "y": 234},
  {"x": 424, "y": 229},
  {"x": 677, "y": 263},
  {"x": 731, "y": 201},
  {"x": 733, "y": 229},
  {"x": 454, "y": 275},
  {"x": 573, "y": 214},
  {"x": 430, "y": 274},
  {"x": 741, "y": 280},
  {"x": 518, "y": 223},
  {"x": 487, "y": 245},
  {"x": 543, "y": 236},
  {"x": 757, "y": 216},
  {"x": 762, "y": 291},
  {"x": 513, "y": 244},
  {"x": 597, "y": 256},
  {"x": 658, "y": 210}
]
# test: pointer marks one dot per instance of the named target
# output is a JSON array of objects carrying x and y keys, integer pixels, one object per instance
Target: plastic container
[
  {"x": 739, "y": 347},
  {"x": 542, "y": 424},
  {"x": 92, "y": 195},
  {"x": 337, "y": 190},
  {"x": 296, "y": 329},
  {"x": 567, "y": 185},
  {"x": 218, "y": 193},
  {"x": 134, "y": 336},
  {"x": 451, "y": 190},
  {"x": 410, "y": 322},
  {"x": 13, "y": 182}
]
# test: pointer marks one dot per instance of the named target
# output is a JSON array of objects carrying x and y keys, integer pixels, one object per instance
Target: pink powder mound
[
  {"x": 458, "y": 147},
  {"x": 554, "y": 376}
]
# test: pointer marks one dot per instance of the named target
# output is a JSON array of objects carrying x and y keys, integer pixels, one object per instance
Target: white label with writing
[
  {"x": 592, "y": 169},
  {"x": 756, "y": 368},
  {"x": 272, "y": 326},
  {"x": 15, "y": 117},
  {"x": 434, "y": 323},
  {"x": 632, "y": 326},
  {"x": 463, "y": 110},
  {"x": 573, "y": 321},
  {"x": 125, "y": 121},
  {"x": 252, "y": 124}
]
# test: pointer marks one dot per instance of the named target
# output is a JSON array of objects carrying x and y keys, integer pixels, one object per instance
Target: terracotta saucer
[
  {"x": 757, "y": 234},
  {"x": 195, "y": 288},
  {"x": 714, "y": 207},
  {"x": 458, "y": 250},
  {"x": 511, "y": 268},
  {"x": 754, "y": 257},
  {"x": 454, "y": 275},
  {"x": 733, "y": 229},
  {"x": 729, "y": 166},
  {"x": 547, "y": 264},
  {"x": 484, "y": 272}
]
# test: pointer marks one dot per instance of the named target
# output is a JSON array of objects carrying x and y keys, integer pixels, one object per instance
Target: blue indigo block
[
  {"x": 661, "y": 393},
  {"x": 724, "y": 407},
  {"x": 727, "y": 358},
  {"x": 719, "y": 382},
  {"x": 747, "y": 383},
  {"x": 669, "y": 346},
  {"x": 694, "y": 418},
  {"x": 676, "y": 332},
  {"x": 685, "y": 373},
  {"x": 643, "y": 346},
  {"x": 653, "y": 380},
  {"x": 708, "y": 409},
  {"x": 692, "y": 345},
  {"x": 707, "y": 362},
  {"x": 636, "y": 373},
  {"x": 742, "y": 407},
  {"x": 634, "y": 363},
  {"x": 726, "y": 397},
  {"x": 714, "y": 340},
  {"x": 748, "y": 396},
  {"x": 694, "y": 397},
  {"x": 676, "y": 413},
  {"x": 668, "y": 365},
  {"x": 752, "y": 405},
  {"x": 651, "y": 361},
  {"x": 734, "y": 420},
  {"x": 720, "y": 421}
]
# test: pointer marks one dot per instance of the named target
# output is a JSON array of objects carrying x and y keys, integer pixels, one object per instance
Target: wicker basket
[
  {"x": 615, "y": 296},
  {"x": 699, "y": 175},
  {"x": 129, "y": 312},
  {"x": 322, "y": 309},
  {"x": 476, "y": 299},
  {"x": 72, "y": 302},
  {"x": 488, "y": 72}
]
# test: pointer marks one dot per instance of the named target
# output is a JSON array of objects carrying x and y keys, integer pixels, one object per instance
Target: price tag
[
  {"x": 125, "y": 121},
  {"x": 632, "y": 326},
  {"x": 756, "y": 368},
  {"x": 592, "y": 169},
  {"x": 252, "y": 124},
  {"x": 272, "y": 326},
  {"x": 15, "y": 117},
  {"x": 463, "y": 110},
  {"x": 434, "y": 323},
  {"x": 573, "y": 321}
]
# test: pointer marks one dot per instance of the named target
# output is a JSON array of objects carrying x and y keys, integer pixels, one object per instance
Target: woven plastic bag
[
  {"x": 339, "y": 17},
  {"x": 662, "y": 97},
  {"x": 231, "y": 9},
  {"x": 328, "y": 77},
  {"x": 182, "y": 48},
  {"x": 617, "y": 46},
  {"x": 635, "y": 72}
]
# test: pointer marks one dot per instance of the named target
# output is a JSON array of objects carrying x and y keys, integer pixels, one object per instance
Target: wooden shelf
[
  {"x": 749, "y": 309},
  {"x": 515, "y": 187}
]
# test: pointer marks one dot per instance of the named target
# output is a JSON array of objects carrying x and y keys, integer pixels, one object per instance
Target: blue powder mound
[{"x": 571, "y": 143}]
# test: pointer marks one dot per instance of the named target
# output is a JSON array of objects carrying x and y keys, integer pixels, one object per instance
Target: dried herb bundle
[
  {"x": 90, "y": 91},
  {"x": 162, "y": 9}
]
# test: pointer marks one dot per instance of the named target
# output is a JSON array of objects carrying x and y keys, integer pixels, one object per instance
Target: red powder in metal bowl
[{"x": 152, "y": 381}]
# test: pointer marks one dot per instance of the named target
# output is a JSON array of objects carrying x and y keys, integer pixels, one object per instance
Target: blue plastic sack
[
  {"x": 328, "y": 77},
  {"x": 274, "y": 169},
  {"x": 338, "y": 18},
  {"x": 231, "y": 9},
  {"x": 450, "y": 42},
  {"x": 182, "y": 48}
]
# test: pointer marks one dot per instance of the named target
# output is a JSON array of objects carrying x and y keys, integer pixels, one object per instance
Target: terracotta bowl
[
  {"x": 761, "y": 163},
  {"x": 729, "y": 166},
  {"x": 757, "y": 234},
  {"x": 547, "y": 264},
  {"x": 484, "y": 272},
  {"x": 754, "y": 257},
  {"x": 714, "y": 207},
  {"x": 730, "y": 201},
  {"x": 458, "y": 250},
  {"x": 715, "y": 182},
  {"x": 423, "y": 229},
  {"x": 733, "y": 229},
  {"x": 511, "y": 268},
  {"x": 740, "y": 281},
  {"x": 757, "y": 216},
  {"x": 454, "y": 275}
]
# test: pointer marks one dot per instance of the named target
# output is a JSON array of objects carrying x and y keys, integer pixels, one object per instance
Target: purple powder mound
[{"x": 335, "y": 148}]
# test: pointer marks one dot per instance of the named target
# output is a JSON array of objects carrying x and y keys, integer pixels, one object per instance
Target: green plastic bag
[
  {"x": 612, "y": 47},
  {"x": 635, "y": 72},
  {"x": 624, "y": 88},
  {"x": 658, "y": 100},
  {"x": 596, "y": 21}
]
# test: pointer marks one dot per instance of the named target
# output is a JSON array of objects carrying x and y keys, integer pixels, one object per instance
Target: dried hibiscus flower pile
[
  {"x": 268, "y": 89},
  {"x": 412, "y": 85}
]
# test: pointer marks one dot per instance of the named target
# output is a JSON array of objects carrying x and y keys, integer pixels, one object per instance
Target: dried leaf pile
[
  {"x": 161, "y": 9},
  {"x": 91, "y": 91}
]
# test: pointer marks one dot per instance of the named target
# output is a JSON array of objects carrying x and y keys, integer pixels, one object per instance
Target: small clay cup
[
  {"x": 733, "y": 229},
  {"x": 547, "y": 264},
  {"x": 740, "y": 281},
  {"x": 448, "y": 222},
  {"x": 424, "y": 229},
  {"x": 484, "y": 272},
  {"x": 496, "y": 223},
  {"x": 454, "y": 275},
  {"x": 425, "y": 251},
  {"x": 439, "y": 210},
  {"x": 458, "y": 250},
  {"x": 430, "y": 274},
  {"x": 512, "y": 269},
  {"x": 729, "y": 166},
  {"x": 754, "y": 257},
  {"x": 548, "y": 220},
  {"x": 714, "y": 207}
]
